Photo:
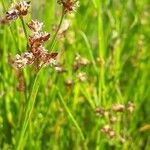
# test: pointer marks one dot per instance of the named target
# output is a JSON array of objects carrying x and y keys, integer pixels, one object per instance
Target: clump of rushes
[
  {"x": 69, "y": 5},
  {"x": 19, "y": 9}
]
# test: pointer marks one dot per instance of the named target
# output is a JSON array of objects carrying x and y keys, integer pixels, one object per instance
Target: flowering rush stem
[
  {"x": 24, "y": 29},
  {"x": 12, "y": 33},
  {"x": 28, "y": 111},
  {"x": 70, "y": 115},
  {"x": 55, "y": 35}
]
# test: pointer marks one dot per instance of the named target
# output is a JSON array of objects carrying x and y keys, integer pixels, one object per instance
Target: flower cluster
[
  {"x": 111, "y": 116},
  {"x": 80, "y": 61},
  {"x": 108, "y": 130},
  {"x": 16, "y": 10},
  {"x": 69, "y": 5},
  {"x": 36, "y": 54}
]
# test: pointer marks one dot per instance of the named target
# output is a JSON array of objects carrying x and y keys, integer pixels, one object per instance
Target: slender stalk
[
  {"x": 28, "y": 111},
  {"x": 71, "y": 116},
  {"x": 11, "y": 31},
  {"x": 55, "y": 35},
  {"x": 101, "y": 42},
  {"x": 101, "y": 77},
  {"x": 89, "y": 50},
  {"x": 24, "y": 29}
]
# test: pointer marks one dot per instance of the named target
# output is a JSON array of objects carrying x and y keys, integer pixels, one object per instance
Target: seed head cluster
[
  {"x": 19, "y": 9},
  {"x": 79, "y": 62},
  {"x": 69, "y": 5},
  {"x": 36, "y": 54},
  {"x": 111, "y": 116}
]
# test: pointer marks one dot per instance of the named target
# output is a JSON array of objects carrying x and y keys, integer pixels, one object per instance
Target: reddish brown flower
[
  {"x": 80, "y": 61},
  {"x": 38, "y": 38},
  {"x": 16, "y": 10},
  {"x": 21, "y": 61},
  {"x": 11, "y": 15},
  {"x": 35, "y": 26},
  {"x": 118, "y": 108},
  {"x": 69, "y": 5},
  {"x": 130, "y": 107},
  {"x": 22, "y": 7}
]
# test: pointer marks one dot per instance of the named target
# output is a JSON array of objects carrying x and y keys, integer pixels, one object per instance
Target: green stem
[
  {"x": 71, "y": 116},
  {"x": 101, "y": 42},
  {"x": 24, "y": 29},
  {"x": 28, "y": 111},
  {"x": 13, "y": 35},
  {"x": 55, "y": 35}
]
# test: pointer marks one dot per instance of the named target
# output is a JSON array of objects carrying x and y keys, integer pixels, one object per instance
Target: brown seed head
[
  {"x": 35, "y": 26},
  {"x": 21, "y": 61},
  {"x": 118, "y": 108},
  {"x": 11, "y": 15},
  {"x": 39, "y": 38},
  {"x": 100, "y": 111},
  {"x": 82, "y": 76},
  {"x": 59, "y": 68},
  {"x": 80, "y": 61},
  {"x": 112, "y": 134},
  {"x": 113, "y": 119},
  {"x": 69, "y": 83},
  {"x": 130, "y": 107},
  {"x": 106, "y": 129},
  {"x": 69, "y": 5},
  {"x": 22, "y": 8}
]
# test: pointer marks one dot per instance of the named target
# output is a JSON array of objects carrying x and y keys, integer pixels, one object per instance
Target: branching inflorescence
[
  {"x": 19, "y": 9},
  {"x": 36, "y": 54}
]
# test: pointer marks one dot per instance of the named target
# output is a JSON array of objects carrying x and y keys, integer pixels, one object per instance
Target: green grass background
[{"x": 117, "y": 32}]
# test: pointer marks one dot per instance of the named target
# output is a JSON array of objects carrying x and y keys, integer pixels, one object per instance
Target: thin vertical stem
[
  {"x": 24, "y": 29},
  {"x": 11, "y": 31},
  {"x": 101, "y": 42},
  {"x": 55, "y": 35},
  {"x": 28, "y": 111}
]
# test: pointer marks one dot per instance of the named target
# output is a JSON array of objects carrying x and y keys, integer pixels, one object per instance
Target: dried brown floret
[
  {"x": 113, "y": 119},
  {"x": 100, "y": 111},
  {"x": 118, "y": 108},
  {"x": 22, "y": 7},
  {"x": 112, "y": 134},
  {"x": 11, "y": 15},
  {"x": 37, "y": 39},
  {"x": 69, "y": 5},
  {"x": 16, "y": 10},
  {"x": 69, "y": 83},
  {"x": 80, "y": 61},
  {"x": 35, "y": 26},
  {"x": 106, "y": 129},
  {"x": 21, "y": 61},
  {"x": 82, "y": 76},
  {"x": 59, "y": 68},
  {"x": 130, "y": 107},
  {"x": 50, "y": 58}
]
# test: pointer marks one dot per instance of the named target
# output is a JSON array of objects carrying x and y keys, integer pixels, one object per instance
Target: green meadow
[{"x": 87, "y": 88}]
